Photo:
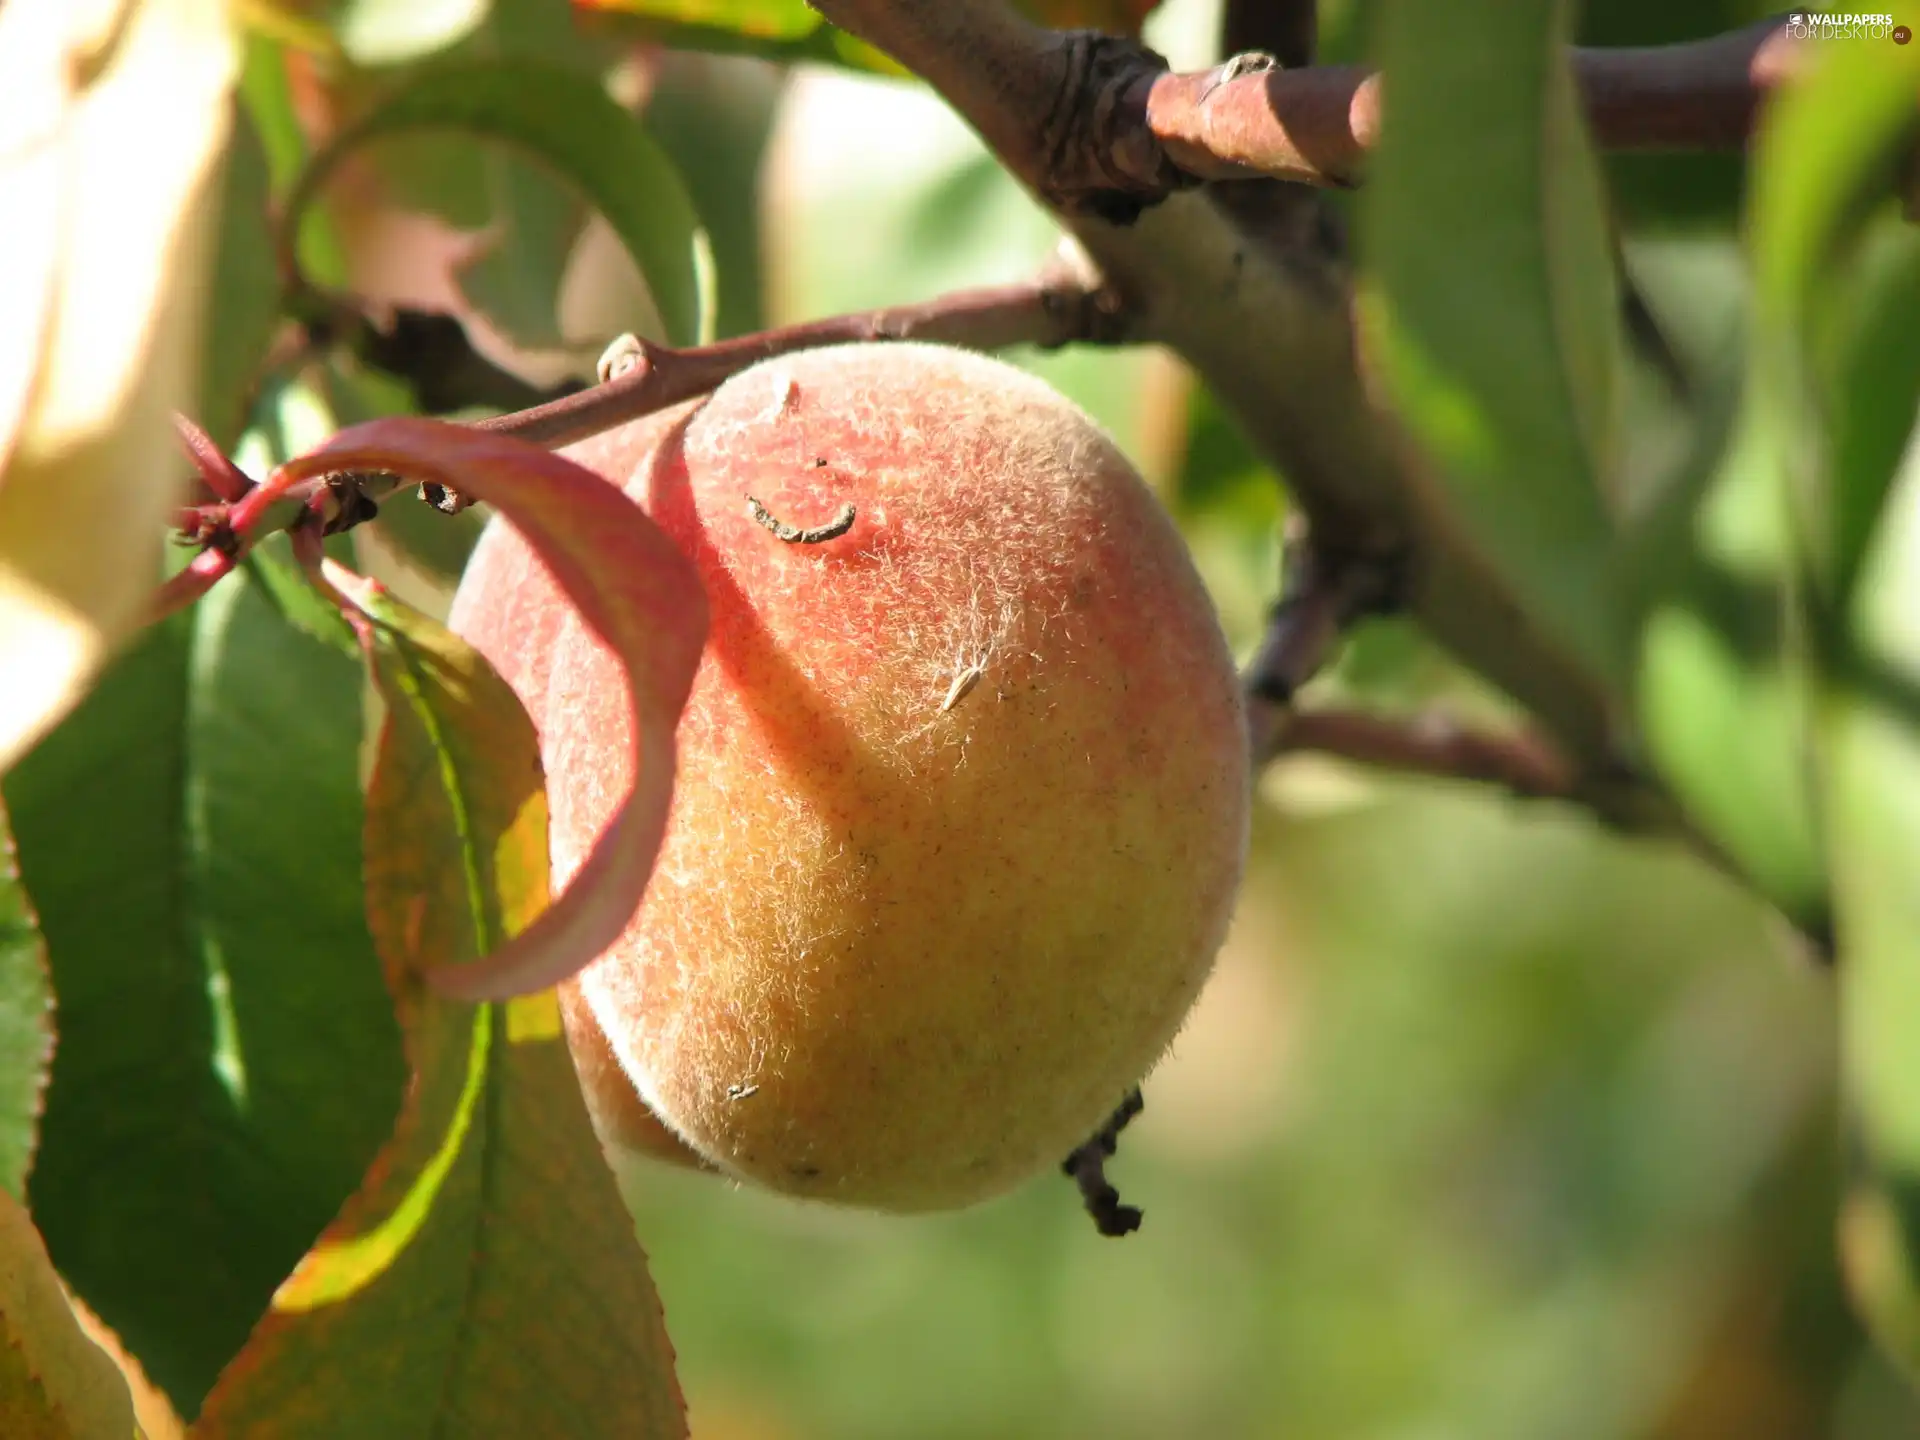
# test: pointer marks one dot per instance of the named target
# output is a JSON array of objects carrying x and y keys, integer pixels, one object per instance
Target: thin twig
[
  {"x": 1322, "y": 595},
  {"x": 1430, "y": 744},
  {"x": 1049, "y": 311},
  {"x": 1087, "y": 1168},
  {"x": 1317, "y": 125}
]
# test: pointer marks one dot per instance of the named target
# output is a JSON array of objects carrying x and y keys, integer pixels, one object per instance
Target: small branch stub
[
  {"x": 1098, "y": 155},
  {"x": 1087, "y": 1168},
  {"x": 841, "y": 522}
]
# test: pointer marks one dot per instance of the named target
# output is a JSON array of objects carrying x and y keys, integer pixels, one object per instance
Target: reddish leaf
[
  {"x": 485, "y": 1281},
  {"x": 633, "y": 589}
]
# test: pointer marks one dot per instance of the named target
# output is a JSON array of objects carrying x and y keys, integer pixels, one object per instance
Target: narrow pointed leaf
[
  {"x": 791, "y": 30},
  {"x": 780, "y": 30},
  {"x": 1490, "y": 299},
  {"x": 244, "y": 309},
  {"x": 1834, "y": 402},
  {"x": 632, "y": 587},
  {"x": 486, "y": 1281}
]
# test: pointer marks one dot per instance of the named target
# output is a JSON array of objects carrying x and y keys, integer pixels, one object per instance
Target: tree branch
[
  {"x": 1049, "y": 311},
  {"x": 1316, "y": 125},
  {"x": 1095, "y": 125},
  {"x": 1266, "y": 319},
  {"x": 1064, "y": 110},
  {"x": 1431, "y": 744},
  {"x": 1054, "y": 309},
  {"x": 1322, "y": 596}
]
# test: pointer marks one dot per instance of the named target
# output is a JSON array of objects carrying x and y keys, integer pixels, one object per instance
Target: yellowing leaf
[
  {"x": 113, "y": 122},
  {"x": 485, "y": 1281},
  {"x": 55, "y": 1384},
  {"x": 156, "y": 1415}
]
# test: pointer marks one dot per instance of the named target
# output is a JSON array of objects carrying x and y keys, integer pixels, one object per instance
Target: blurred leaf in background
[{"x": 111, "y": 153}]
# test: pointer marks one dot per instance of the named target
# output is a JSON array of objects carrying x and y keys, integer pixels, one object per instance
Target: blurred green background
[{"x": 1489, "y": 1124}]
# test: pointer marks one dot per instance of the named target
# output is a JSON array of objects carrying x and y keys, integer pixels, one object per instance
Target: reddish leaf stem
[
  {"x": 202, "y": 573},
  {"x": 224, "y": 478}
]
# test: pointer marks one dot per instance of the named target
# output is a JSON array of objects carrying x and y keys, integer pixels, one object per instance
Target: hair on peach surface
[{"x": 963, "y": 789}]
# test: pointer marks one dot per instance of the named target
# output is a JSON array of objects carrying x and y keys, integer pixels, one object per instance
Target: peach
[{"x": 962, "y": 796}]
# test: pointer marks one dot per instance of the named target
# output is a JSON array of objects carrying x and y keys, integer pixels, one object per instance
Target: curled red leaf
[{"x": 635, "y": 591}]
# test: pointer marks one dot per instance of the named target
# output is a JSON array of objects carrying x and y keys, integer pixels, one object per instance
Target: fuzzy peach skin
[{"x": 963, "y": 793}]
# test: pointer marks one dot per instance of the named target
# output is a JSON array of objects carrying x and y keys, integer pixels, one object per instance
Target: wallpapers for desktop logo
[{"x": 1846, "y": 25}]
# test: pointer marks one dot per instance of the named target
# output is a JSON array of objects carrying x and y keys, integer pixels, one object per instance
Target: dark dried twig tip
[
  {"x": 447, "y": 502},
  {"x": 1087, "y": 1168},
  {"x": 1324, "y": 596},
  {"x": 793, "y": 535}
]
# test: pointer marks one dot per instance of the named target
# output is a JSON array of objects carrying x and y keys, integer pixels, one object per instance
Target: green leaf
[
  {"x": 1828, "y": 151},
  {"x": 567, "y": 121},
  {"x": 1872, "y": 383},
  {"x": 791, "y": 31},
  {"x": 1851, "y": 503},
  {"x": 1724, "y": 712},
  {"x": 245, "y": 293},
  {"x": 1871, "y": 768},
  {"x": 782, "y": 30},
  {"x": 486, "y": 1281},
  {"x": 1669, "y": 189},
  {"x": 228, "y": 1060},
  {"x": 267, "y": 93},
  {"x": 761, "y": 19},
  {"x": 55, "y": 1383},
  {"x": 714, "y": 118},
  {"x": 26, "y": 1034},
  {"x": 390, "y": 32},
  {"x": 1490, "y": 305},
  {"x": 1722, "y": 699},
  {"x": 524, "y": 217},
  {"x": 1870, "y": 754}
]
